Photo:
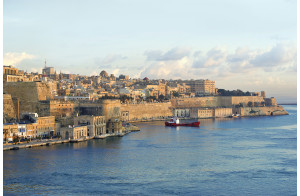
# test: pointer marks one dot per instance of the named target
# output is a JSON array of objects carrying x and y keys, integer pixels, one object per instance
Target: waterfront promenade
[{"x": 48, "y": 142}]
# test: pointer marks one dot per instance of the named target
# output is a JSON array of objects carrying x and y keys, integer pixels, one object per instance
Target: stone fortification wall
[
  {"x": 8, "y": 106},
  {"x": 219, "y": 101},
  {"x": 270, "y": 101},
  {"x": 108, "y": 108},
  {"x": 29, "y": 93},
  {"x": 260, "y": 111},
  {"x": 195, "y": 102},
  {"x": 111, "y": 108},
  {"x": 222, "y": 112},
  {"x": 246, "y": 99},
  {"x": 147, "y": 111}
]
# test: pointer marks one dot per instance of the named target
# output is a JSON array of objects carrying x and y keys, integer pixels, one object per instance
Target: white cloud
[
  {"x": 94, "y": 73},
  {"x": 116, "y": 72},
  {"x": 33, "y": 70},
  {"x": 175, "y": 69},
  {"x": 15, "y": 58},
  {"x": 108, "y": 59},
  {"x": 282, "y": 56},
  {"x": 173, "y": 54},
  {"x": 218, "y": 63}
]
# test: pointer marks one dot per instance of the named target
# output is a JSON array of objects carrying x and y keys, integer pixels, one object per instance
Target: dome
[{"x": 103, "y": 74}]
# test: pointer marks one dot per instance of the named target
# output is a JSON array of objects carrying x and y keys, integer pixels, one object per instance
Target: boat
[
  {"x": 235, "y": 116},
  {"x": 175, "y": 122}
]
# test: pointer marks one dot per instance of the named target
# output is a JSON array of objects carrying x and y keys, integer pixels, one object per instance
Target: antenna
[{"x": 45, "y": 63}]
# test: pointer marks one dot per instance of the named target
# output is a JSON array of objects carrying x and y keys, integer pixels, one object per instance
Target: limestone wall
[
  {"x": 260, "y": 111},
  {"x": 195, "y": 102},
  {"x": 147, "y": 111},
  {"x": 222, "y": 112},
  {"x": 8, "y": 106},
  {"x": 219, "y": 101},
  {"x": 245, "y": 99},
  {"x": 108, "y": 108},
  {"x": 29, "y": 93}
]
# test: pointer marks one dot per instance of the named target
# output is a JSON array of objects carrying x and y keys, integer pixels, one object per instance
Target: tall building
[
  {"x": 48, "y": 71},
  {"x": 11, "y": 74},
  {"x": 202, "y": 87}
]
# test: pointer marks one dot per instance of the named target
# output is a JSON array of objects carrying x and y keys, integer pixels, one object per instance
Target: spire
[{"x": 45, "y": 63}]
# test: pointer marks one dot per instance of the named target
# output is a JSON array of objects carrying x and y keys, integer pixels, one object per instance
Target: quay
[{"x": 50, "y": 142}]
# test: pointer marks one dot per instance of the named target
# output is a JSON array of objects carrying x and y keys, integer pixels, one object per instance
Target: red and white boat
[{"x": 175, "y": 122}]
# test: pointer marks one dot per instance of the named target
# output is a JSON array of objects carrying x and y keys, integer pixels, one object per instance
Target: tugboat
[{"x": 175, "y": 122}]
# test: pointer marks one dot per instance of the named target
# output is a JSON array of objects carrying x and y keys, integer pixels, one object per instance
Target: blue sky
[{"x": 248, "y": 45}]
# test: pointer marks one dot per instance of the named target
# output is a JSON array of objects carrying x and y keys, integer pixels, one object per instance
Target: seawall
[
  {"x": 260, "y": 111},
  {"x": 145, "y": 111}
]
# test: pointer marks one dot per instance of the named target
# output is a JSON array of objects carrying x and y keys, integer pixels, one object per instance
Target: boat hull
[{"x": 193, "y": 124}]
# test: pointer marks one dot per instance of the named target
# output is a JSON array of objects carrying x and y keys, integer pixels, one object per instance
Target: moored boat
[
  {"x": 235, "y": 116},
  {"x": 175, "y": 122}
]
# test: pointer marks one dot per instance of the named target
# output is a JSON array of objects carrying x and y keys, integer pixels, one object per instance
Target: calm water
[{"x": 247, "y": 156}]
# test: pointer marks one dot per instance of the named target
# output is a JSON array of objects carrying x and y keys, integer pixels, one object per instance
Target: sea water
[{"x": 240, "y": 156}]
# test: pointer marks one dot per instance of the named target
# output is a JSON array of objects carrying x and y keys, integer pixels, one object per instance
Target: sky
[{"x": 249, "y": 45}]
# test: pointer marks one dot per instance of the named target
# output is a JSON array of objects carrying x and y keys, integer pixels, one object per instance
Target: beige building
[
  {"x": 96, "y": 125},
  {"x": 222, "y": 112},
  {"x": 156, "y": 90},
  {"x": 181, "y": 112},
  {"x": 114, "y": 125},
  {"x": 9, "y": 131},
  {"x": 202, "y": 87},
  {"x": 10, "y": 70},
  {"x": 76, "y": 132},
  {"x": 48, "y": 71},
  {"x": 202, "y": 112},
  {"x": 31, "y": 129},
  {"x": 45, "y": 126},
  {"x": 11, "y": 74},
  {"x": 57, "y": 108},
  {"x": 206, "y": 112}
]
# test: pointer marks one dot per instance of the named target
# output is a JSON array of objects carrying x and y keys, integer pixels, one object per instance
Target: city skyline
[{"x": 249, "y": 46}]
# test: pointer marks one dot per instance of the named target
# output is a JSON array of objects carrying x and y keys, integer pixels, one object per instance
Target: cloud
[
  {"x": 33, "y": 70},
  {"x": 14, "y": 58},
  {"x": 108, "y": 59},
  {"x": 214, "y": 57},
  {"x": 168, "y": 69},
  {"x": 219, "y": 63},
  {"x": 112, "y": 58},
  {"x": 116, "y": 72},
  {"x": 171, "y": 55},
  {"x": 281, "y": 56},
  {"x": 94, "y": 73}
]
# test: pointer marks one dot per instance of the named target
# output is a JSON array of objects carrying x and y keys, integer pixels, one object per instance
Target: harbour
[{"x": 229, "y": 156}]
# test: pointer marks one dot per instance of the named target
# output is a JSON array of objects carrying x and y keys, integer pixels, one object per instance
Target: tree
[
  {"x": 16, "y": 139},
  {"x": 175, "y": 94},
  {"x": 250, "y": 104},
  {"x": 161, "y": 98}
]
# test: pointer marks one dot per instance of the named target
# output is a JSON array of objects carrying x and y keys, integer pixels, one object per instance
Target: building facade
[
  {"x": 203, "y": 87},
  {"x": 76, "y": 132},
  {"x": 96, "y": 125}
]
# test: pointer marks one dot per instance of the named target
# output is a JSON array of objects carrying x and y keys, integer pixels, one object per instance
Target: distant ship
[{"x": 175, "y": 122}]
